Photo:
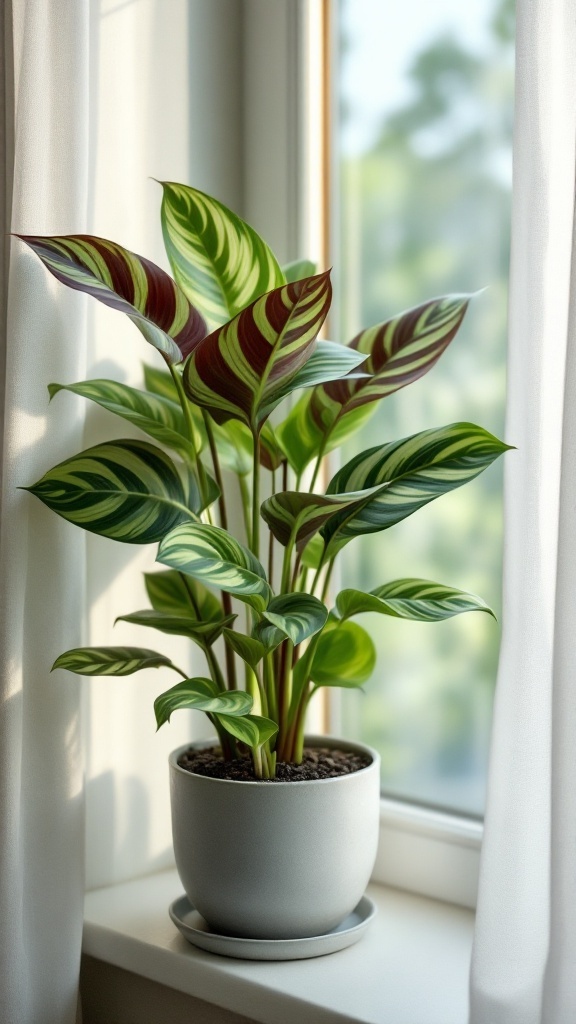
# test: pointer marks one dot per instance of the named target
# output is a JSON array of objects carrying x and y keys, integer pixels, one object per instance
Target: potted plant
[{"x": 275, "y": 837}]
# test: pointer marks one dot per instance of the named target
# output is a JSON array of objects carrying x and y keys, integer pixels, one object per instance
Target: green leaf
[
  {"x": 218, "y": 260},
  {"x": 211, "y": 555},
  {"x": 160, "y": 382},
  {"x": 242, "y": 369},
  {"x": 328, "y": 361},
  {"x": 253, "y": 730},
  {"x": 298, "y": 616},
  {"x": 158, "y": 417},
  {"x": 200, "y": 694},
  {"x": 126, "y": 490},
  {"x": 312, "y": 553},
  {"x": 398, "y": 352},
  {"x": 251, "y": 651},
  {"x": 203, "y": 633},
  {"x": 173, "y": 594},
  {"x": 297, "y": 515},
  {"x": 345, "y": 656},
  {"x": 127, "y": 282},
  {"x": 268, "y": 635},
  {"x": 302, "y": 436},
  {"x": 298, "y": 269},
  {"x": 420, "y": 600},
  {"x": 408, "y": 474},
  {"x": 110, "y": 661}
]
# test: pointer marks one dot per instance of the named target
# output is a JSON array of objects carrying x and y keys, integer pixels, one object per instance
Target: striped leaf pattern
[
  {"x": 218, "y": 260},
  {"x": 158, "y": 417},
  {"x": 110, "y": 661},
  {"x": 212, "y": 556},
  {"x": 397, "y": 352},
  {"x": 298, "y": 616},
  {"x": 416, "y": 599},
  {"x": 408, "y": 474},
  {"x": 200, "y": 694},
  {"x": 126, "y": 490},
  {"x": 297, "y": 516},
  {"x": 127, "y": 282},
  {"x": 240, "y": 370},
  {"x": 328, "y": 362}
]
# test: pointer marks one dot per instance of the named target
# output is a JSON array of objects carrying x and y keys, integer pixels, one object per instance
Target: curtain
[
  {"x": 524, "y": 958},
  {"x": 45, "y": 78}
]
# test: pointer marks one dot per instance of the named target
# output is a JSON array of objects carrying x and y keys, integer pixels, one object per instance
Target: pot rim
[{"x": 312, "y": 740}]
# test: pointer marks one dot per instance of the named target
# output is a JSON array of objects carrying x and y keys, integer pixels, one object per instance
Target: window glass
[{"x": 423, "y": 209}]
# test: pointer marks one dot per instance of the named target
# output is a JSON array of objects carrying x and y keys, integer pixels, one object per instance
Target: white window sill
[{"x": 411, "y": 967}]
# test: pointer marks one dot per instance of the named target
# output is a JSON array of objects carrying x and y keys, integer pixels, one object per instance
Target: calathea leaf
[
  {"x": 420, "y": 600},
  {"x": 398, "y": 352},
  {"x": 211, "y": 555},
  {"x": 203, "y": 633},
  {"x": 250, "y": 729},
  {"x": 219, "y": 261},
  {"x": 298, "y": 616},
  {"x": 239, "y": 370},
  {"x": 127, "y": 282},
  {"x": 246, "y": 647},
  {"x": 268, "y": 635},
  {"x": 126, "y": 490},
  {"x": 297, "y": 515},
  {"x": 407, "y": 474},
  {"x": 158, "y": 417},
  {"x": 110, "y": 661},
  {"x": 174, "y": 594},
  {"x": 328, "y": 362},
  {"x": 344, "y": 656},
  {"x": 200, "y": 694}
]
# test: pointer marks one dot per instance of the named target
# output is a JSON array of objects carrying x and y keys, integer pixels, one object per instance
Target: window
[{"x": 421, "y": 208}]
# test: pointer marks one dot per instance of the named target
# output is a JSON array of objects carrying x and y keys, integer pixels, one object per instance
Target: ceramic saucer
[{"x": 197, "y": 931}]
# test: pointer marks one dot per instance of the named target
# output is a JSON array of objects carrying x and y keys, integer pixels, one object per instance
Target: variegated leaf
[
  {"x": 419, "y": 600},
  {"x": 126, "y": 490},
  {"x": 407, "y": 474},
  {"x": 218, "y": 260},
  {"x": 398, "y": 352},
  {"x": 110, "y": 661},
  {"x": 127, "y": 282},
  {"x": 200, "y": 694},
  {"x": 328, "y": 362},
  {"x": 211, "y": 555},
  {"x": 160, "y": 382},
  {"x": 241, "y": 370},
  {"x": 298, "y": 616},
  {"x": 296, "y": 515},
  {"x": 158, "y": 417}
]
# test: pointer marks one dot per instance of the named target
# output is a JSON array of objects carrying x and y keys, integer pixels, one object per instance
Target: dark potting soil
[{"x": 317, "y": 763}]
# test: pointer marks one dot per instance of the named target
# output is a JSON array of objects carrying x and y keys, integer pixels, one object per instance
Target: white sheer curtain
[
  {"x": 102, "y": 96},
  {"x": 41, "y": 805},
  {"x": 524, "y": 961}
]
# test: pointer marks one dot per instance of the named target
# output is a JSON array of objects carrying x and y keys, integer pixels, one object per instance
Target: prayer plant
[{"x": 238, "y": 336}]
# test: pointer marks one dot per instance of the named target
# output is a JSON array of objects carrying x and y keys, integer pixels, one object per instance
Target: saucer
[{"x": 197, "y": 931}]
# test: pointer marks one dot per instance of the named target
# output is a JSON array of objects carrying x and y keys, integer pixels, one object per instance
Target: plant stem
[
  {"x": 271, "y": 541},
  {"x": 284, "y": 694},
  {"x": 202, "y": 483},
  {"x": 326, "y": 584},
  {"x": 245, "y": 496},
  {"x": 217, "y": 470},
  {"x": 321, "y": 451},
  {"x": 255, "y": 545}
]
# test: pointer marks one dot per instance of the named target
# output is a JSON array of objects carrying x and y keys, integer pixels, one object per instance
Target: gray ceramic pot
[{"x": 278, "y": 860}]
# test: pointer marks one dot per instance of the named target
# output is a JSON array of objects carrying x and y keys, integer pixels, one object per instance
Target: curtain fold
[
  {"x": 523, "y": 965},
  {"x": 46, "y": 68}
]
